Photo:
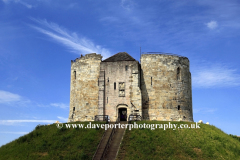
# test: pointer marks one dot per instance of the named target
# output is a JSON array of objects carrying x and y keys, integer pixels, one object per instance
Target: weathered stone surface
[
  {"x": 84, "y": 87},
  {"x": 166, "y": 87},
  {"x": 116, "y": 72},
  {"x": 158, "y": 89}
]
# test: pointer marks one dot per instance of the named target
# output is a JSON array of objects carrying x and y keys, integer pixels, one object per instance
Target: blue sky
[{"x": 38, "y": 40}]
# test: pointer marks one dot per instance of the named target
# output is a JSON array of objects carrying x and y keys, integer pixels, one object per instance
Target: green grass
[
  {"x": 49, "y": 142},
  {"x": 207, "y": 142}
]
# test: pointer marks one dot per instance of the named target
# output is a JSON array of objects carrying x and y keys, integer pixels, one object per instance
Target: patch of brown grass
[{"x": 41, "y": 153}]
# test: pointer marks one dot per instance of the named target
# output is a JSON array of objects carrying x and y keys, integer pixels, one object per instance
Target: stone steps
[{"x": 114, "y": 144}]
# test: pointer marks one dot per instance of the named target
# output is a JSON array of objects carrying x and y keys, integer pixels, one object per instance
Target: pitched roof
[{"x": 121, "y": 56}]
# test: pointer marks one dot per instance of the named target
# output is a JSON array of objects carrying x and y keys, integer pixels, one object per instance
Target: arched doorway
[
  {"x": 122, "y": 114},
  {"x": 122, "y": 111}
]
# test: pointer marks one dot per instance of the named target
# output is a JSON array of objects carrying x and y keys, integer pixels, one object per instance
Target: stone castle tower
[{"x": 157, "y": 89}]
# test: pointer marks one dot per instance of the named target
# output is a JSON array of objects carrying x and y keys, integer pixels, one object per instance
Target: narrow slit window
[
  {"x": 151, "y": 81},
  {"x": 74, "y": 74},
  {"x": 108, "y": 79},
  {"x": 178, "y": 73},
  {"x": 126, "y": 68},
  {"x": 73, "y": 108},
  {"x": 114, "y": 85},
  {"x": 179, "y": 108},
  {"x": 107, "y": 99}
]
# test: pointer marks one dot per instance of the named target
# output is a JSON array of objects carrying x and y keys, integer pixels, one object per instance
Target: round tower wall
[
  {"x": 166, "y": 88},
  {"x": 84, "y": 87}
]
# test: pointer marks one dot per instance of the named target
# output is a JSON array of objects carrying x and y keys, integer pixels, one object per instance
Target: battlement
[
  {"x": 93, "y": 56},
  {"x": 161, "y": 53},
  {"x": 164, "y": 59},
  {"x": 158, "y": 89}
]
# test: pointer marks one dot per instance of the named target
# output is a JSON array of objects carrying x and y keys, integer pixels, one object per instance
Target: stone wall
[
  {"x": 158, "y": 89},
  {"x": 116, "y": 72},
  {"x": 84, "y": 87},
  {"x": 166, "y": 88}
]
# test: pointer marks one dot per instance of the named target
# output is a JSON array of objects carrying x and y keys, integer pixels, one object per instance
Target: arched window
[{"x": 178, "y": 73}]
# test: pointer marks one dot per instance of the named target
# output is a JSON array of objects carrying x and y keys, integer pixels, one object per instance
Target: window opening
[
  {"x": 75, "y": 74},
  {"x": 178, "y": 73},
  {"x": 121, "y": 89},
  {"x": 179, "y": 108}
]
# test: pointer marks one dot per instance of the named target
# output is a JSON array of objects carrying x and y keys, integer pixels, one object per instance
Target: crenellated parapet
[
  {"x": 92, "y": 56},
  {"x": 158, "y": 88}
]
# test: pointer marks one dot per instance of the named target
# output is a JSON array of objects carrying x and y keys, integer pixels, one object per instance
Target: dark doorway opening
[{"x": 122, "y": 114}]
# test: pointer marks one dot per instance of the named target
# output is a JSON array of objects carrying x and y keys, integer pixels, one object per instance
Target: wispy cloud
[
  {"x": 6, "y": 1},
  {"x": 127, "y": 4},
  {"x": 109, "y": 19},
  {"x": 60, "y": 105},
  {"x": 12, "y": 122},
  {"x": 144, "y": 25},
  {"x": 215, "y": 76},
  {"x": 12, "y": 98},
  {"x": 63, "y": 119},
  {"x": 205, "y": 110},
  {"x": 70, "y": 40},
  {"x": 212, "y": 24},
  {"x": 29, "y": 6},
  {"x": 7, "y": 97}
]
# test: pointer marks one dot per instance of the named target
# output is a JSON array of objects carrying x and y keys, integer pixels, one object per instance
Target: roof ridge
[{"x": 120, "y": 56}]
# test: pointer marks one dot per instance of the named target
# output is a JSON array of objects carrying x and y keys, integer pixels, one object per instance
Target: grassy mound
[
  {"x": 49, "y": 142},
  {"x": 206, "y": 142}
]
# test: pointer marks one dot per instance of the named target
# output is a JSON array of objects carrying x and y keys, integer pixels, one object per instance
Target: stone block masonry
[
  {"x": 166, "y": 87},
  {"x": 84, "y": 87},
  {"x": 157, "y": 89}
]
